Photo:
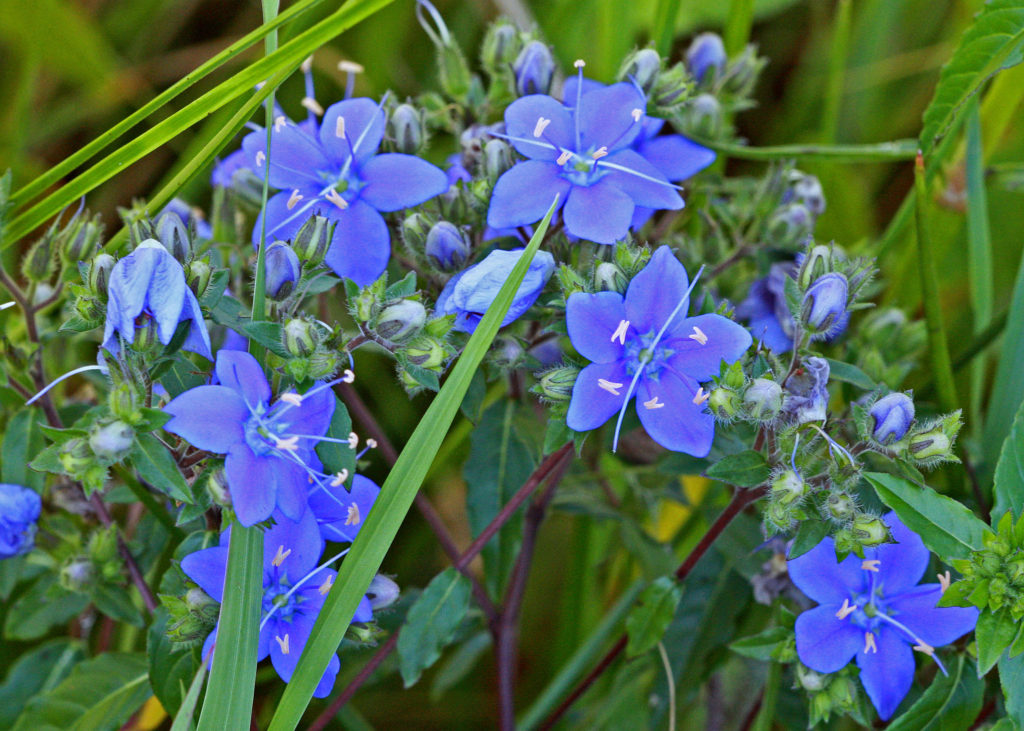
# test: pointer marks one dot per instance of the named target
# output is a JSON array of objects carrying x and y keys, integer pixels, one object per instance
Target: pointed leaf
[{"x": 431, "y": 623}]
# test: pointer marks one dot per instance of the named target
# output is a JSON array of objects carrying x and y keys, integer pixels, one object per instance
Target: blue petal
[
  {"x": 937, "y": 626},
  {"x": 887, "y": 674},
  {"x": 283, "y": 223},
  {"x": 824, "y": 642},
  {"x": 818, "y": 575},
  {"x": 768, "y": 330},
  {"x": 641, "y": 216},
  {"x": 591, "y": 320},
  {"x": 361, "y": 245},
  {"x": 477, "y": 288},
  {"x": 326, "y": 684},
  {"x": 675, "y": 156},
  {"x": 591, "y": 405},
  {"x": 524, "y": 193},
  {"x": 679, "y": 425},
  {"x": 364, "y": 612},
  {"x": 364, "y": 129},
  {"x": 301, "y": 538},
  {"x": 521, "y": 120},
  {"x": 208, "y": 568},
  {"x": 647, "y": 188},
  {"x": 571, "y": 88},
  {"x": 208, "y": 645},
  {"x": 395, "y": 181},
  {"x": 294, "y": 157},
  {"x": 243, "y": 374},
  {"x": 208, "y": 417},
  {"x": 332, "y": 508},
  {"x": 297, "y": 630},
  {"x": 599, "y": 212},
  {"x": 252, "y": 483},
  {"x": 198, "y": 340},
  {"x": 292, "y": 491},
  {"x": 606, "y": 116},
  {"x": 313, "y": 415},
  {"x": 166, "y": 293},
  {"x": 726, "y": 340},
  {"x": 654, "y": 292},
  {"x": 902, "y": 564},
  {"x": 129, "y": 282}
]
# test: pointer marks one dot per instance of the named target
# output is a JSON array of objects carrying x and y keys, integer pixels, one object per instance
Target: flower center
[
  {"x": 581, "y": 168},
  {"x": 644, "y": 352}
]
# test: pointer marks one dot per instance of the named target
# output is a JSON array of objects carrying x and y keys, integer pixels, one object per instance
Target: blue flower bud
[
  {"x": 111, "y": 441},
  {"x": 99, "y": 274},
  {"x": 497, "y": 159},
  {"x": 642, "y": 67},
  {"x": 534, "y": 69},
  {"x": 406, "y": 129},
  {"x": 824, "y": 306},
  {"x": 172, "y": 232},
  {"x": 313, "y": 240},
  {"x": 446, "y": 246},
  {"x": 702, "y": 116},
  {"x": 608, "y": 277},
  {"x": 706, "y": 53},
  {"x": 283, "y": 270},
  {"x": 892, "y": 415},
  {"x": 382, "y": 592},
  {"x": 763, "y": 399},
  {"x": 77, "y": 574},
  {"x": 807, "y": 189},
  {"x": 19, "y": 511},
  {"x": 790, "y": 224}
]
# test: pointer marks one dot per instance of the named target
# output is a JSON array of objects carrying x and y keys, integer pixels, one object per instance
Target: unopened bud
[
  {"x": 706, "y": 57},
  {"x": 99, "y": 274},
  {"x": 809, "y": 680},
  {"x": 609, "y": 278},
  {"x": 406, "y": 129},
  {"x": 790, "y": 224},
  {"x": 299, "y": 338},
  {"x": 382, "y": 592},
  {"x": 426, "y": 352},
  {"x": 401, "y": 320},
  {"x": 500, "y": 47},
  {"x": 788, "y": 487},
  {"x": 446, "y": 246},
  {"x": 111, "y": 441},
  {"x": 724, "y": 403},
  {"x": 870, "y": 530},
  {"x": 703, "y": 116},
  {"x": 569, "y": 280},
  {"x": 931, "y": 444},
  {"x": 816, "y": 264},
  {"x": 497, "y": 159},
  {"x": 642, "y": 67},
  {"x": 313, "y": 240},
  {"x": 80, "y": 238},
  {"x": 198, "y": 274},
  {"x": 283, "y": 270},
  {"x": 454, "y": 71},
  {"x": 824, "y": 306},
  {"x": 39, "y": 263},
  {"x": 807, "y": 190},
  {"x": 763, "y": 399},
  {"x": 217, "y": 487},
  {"x": 415, "y": 229},
  {"x": 742, "y": 73},
  {"x": 75, "y": 456},
  {"x": 841, "y": 507},
  {"x": 78, "y": 574},
  {"x": 672, "y": 87},
  {"x": 892, "y": 416},
  {"x": 555, "y": 385},
  {"x": 534, "y": 69},
  {"x": 147, "y": 336},
  {"x": 172, "y": 232}
]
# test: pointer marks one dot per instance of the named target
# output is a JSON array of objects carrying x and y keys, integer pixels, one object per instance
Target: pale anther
[
  {"x": 609, "y": 386},
  {"x": 700, "y": 397},
  {"x": 339, "y": 478},
  {"x": 620, "y": 332},
  {"x": 282, "y": 643},
  {"x": 846, "y": 610},
  {"x": 334, "y": 197},
  {"x": 653, "y": 404},
  {"x": 541, "y": 125},
  {"x": 944, "y": 581},
  {"x": 699, "y": 336},
  {"x": 307, "y": 65},
  {"x": 347, "y": 376},
  {"x": 353, "y": 517},
  {"x": 350, "y": 67},
  {"x": 579, "y": 63},
  {"x": 925, "y": 648},
  {"x": 599, "y": 152},
  {"x": 870, "y": 564},
  {"x": 353, "y": 440},
  {"x": 636, "y": 114},
  {"x": 281, "y": 555},
  {"x": 563, "y": 158},
  {"x": 339, "y": 127},
  {"x": 293, "y": 199},
  {"x": 326, "y": 586},
  {"x": 260, "y": 157},
  {"x": 280, "y": 122},
  {"x": 313, "y": 105},
  {"x": 292, "y": 398},
  {"x": 869, "y": 643},
  {"x": 371, "y": 443},
  {"x": 289, "y": 444}
]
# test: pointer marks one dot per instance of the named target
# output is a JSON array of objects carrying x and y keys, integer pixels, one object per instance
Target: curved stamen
[
  {"x": 924, "y": 646},
  {"x": 5, "y": 305},
  {"x": 299, "y": 583},
  {"x": 579, "y": 95},
  {"x": 526, "y": 141},
  {"x": 67, "y": 375},
  {"x": 643, "y": 176},
  {"x": 445, "y": 36}
]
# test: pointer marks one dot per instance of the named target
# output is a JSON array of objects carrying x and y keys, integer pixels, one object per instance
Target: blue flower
[
  {"x": 149, "y": 284},
  {"x": 19, "y": 511},
  {"x": 765, "y": 309},
  {"x": 891, "y": 417},
  {"x": 294, "y": 590},
  {"x": 873, "y": 609},
  {"x": 270, "y": 459},
  {"x": 341, "y": 513},
  {"x": 582, "y": 154},
  {"x": 188, "y": 214},
  {"x": 337, "y": 173},
  {"x": 223, "y": 175},
  {"x": 643, "y": 344},
  {"x": 806, "y": 396},
  {"x": 469, "y": 293},
  {"x": 824, "y": 305}
]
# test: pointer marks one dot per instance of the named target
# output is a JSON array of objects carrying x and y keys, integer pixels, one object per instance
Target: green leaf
[
  {"x": 336, "y": 456},
  {"x": 78, "y": 324},
  {"x": 946, "y": 527},
  {"x": 183, "y": 721},
  {"x": 992, "y": 42},
  {"x": 745, "y": 469},
  {"x": 994, "y": 634},
  {"x": 36, "y": 611},
  {"x": 37, "y": 671},
  {"x": 762, "y": 645},
  {"x": 647, "y": 622},
  {"x": 431, "y": 623},
  {"x": 1008, "y": 386},
  {"x": 473, "y": 403},
  {"x": 169, "y": 668},
  {"x": 1011, "y": 676},
  {"x": 394, "y": 501},
  {"x": 115, "y": 602},
  {"x": 99, "y": 695},
  {"x": 498, "y": 464},
  {"x": 158, "y": 468},
  {"x": 849, "y": 373},
  {"x": 22, "y": 442},
  {"x": 808, "y": 535},
  {"x": 1009, "y": 479},
  {"x": 950, "y": 703}
]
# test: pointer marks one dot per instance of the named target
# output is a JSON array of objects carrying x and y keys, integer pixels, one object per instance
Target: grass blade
[
  {"x": 396, "y": 496},
  {"x": 979, "y": 251},
  {"x": 878, "y": 152}
]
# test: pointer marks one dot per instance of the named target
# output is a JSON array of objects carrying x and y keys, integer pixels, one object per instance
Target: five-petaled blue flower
[
  {"x": 337, "y": 172},
  {"x": 149, "y": 284},
  {"x": 340, "y": 513},
  {"x": 874, "y": 610},
  {"x": 19, "y": 511},
  {"x": 294, "y": 590},
  {"x": 270, "y": 447},
  {"x": 583, "y": 154},
  {"x": 644, "y": 344},
  {"x": 469, "y": 293}
]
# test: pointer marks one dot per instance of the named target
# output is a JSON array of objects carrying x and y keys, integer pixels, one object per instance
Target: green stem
[
  {"x": 877, "y": 152},
  {"x": 665, "y": 25},
  {"x": 836, "y": 73},
  {"x": 938, "y": 347},
  {"x": 770, "y": 696},
  {"x": 737, "y": 27}
]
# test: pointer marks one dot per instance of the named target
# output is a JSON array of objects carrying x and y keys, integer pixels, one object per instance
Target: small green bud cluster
[
  {"x": 993, "y": 577},
  {"x": 725, "y": 400},
  {"x": 423, "y": 358},
  {"x": 312, "y": 351},
  {"x": 828, "y": 693},
  {"x": 786, "y": 495},
  {"x": 554, "y": 386},
  {"x": 191, "y": 617}
]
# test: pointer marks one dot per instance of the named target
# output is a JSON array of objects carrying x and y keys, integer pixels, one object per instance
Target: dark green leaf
[
  {"x": 808, "y": 535},
  {"x": 320, "y": 283},
  {"x": 170, "y": 670},
  {"x": 849, "y": 373},
  {"x": 22, "y": 442},
  {"x": 99, "y": 695},
  {"x": 473, "y": 402},
  {"x": 950, "y": 703},
  {"x": 115, "y": 602},
  {"x": 946, "y": 526},
  {"x": 762, "y": 645},
  {"x": 994, "y": 634},
  {"x": 1009, "y": 479},
  {"x": 1011, "y": 676},
  {"x": 746, "y": 469},
  {"x": 268, "y": 334},
  {"x": 402, "y": 288},
  {"x": 181, "y": 376},
  {"x": 78, "y": 324},
  {"x": 337, "y": 456},
  {"x": 36, "y": 611},
  {"x": 37, "y": 671},
  {"x": 157, "y": 467},
  {"x": 431, "y": 622},
  {"x": 648, "y": 620}
]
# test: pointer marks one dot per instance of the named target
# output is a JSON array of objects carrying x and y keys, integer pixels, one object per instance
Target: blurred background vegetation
[{"x": 70, "y": 68}]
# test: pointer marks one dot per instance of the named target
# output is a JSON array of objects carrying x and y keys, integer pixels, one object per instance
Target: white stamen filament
[
  {"x": 870, "y": 564},
  {"x": 846, "y": 610},
  {"x": 5, "y": 305},
  {"x": 291, "y": 398},
  {"x": 282, "y": 643},
  {"x": 653, "y": 404},
  {"x": 67, "y": 375},
  {"x": 293, "y": 199},
  {"x": 699, "y": 336},
  {"x": 700, "y": 397},
  {"x": 353, "y": 517},
  {"x": 869, "y": 643},
  {"x": 280, "y": 556},
  {"x": 563, "y": 158},
  {"x": 312, "y": 105},
  {"x": 599, "y": 152},
  {"x": 339, "y": 127},
  {"x": 541, "y": 125},
  {"x": 609, "y": 386},
  {"x": 620, "y": 332},
  {"x": 334, "y": 197},
  {"x": 339, "y": 479}
]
